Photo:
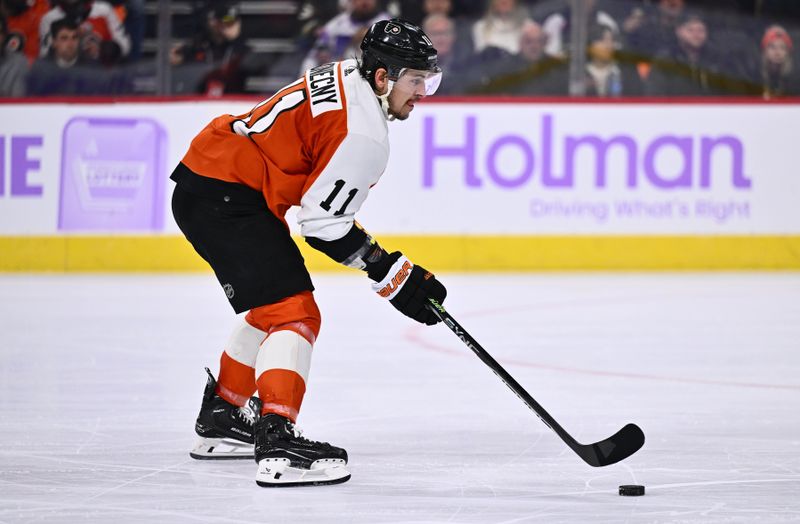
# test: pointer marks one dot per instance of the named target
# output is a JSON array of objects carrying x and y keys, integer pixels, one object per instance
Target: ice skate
[
  {"x": 285, "y": 458},
  {"x": 224, "y": 430}
]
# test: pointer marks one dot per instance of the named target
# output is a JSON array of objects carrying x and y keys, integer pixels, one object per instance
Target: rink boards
[{"x": 471, "y": 185}]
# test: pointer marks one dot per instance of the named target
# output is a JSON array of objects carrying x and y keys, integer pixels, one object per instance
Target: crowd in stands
[{"x": 492, "y": 47}]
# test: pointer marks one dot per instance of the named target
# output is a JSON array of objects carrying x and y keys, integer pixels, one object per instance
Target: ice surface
[{"x": 101, "y": 378}]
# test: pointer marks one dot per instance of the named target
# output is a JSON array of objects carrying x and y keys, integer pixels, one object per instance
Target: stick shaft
[
  {"x": 509, "y": 381},
  {"x": 618, "y": 446}
]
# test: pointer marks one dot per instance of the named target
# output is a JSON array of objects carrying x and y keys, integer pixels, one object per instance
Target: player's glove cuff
[
  {"x": 395, "y": 278},
  {"x": 408, "y": 287}
]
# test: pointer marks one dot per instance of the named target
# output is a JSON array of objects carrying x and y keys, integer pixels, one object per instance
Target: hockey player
[{"x": 320, "y": 143}]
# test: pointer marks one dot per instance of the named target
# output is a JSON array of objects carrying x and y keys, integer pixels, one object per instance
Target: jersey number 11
[{"x": 337, "y": 187}]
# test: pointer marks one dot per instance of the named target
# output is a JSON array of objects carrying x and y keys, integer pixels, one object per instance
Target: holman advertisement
[{"x": 457, "y": 170}]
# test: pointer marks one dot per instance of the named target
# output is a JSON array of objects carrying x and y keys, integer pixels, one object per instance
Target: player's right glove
[{"x": 408, "y": 287}]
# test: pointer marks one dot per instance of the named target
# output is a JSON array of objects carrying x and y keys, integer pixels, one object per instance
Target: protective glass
[{"x": 418, "y": 82}]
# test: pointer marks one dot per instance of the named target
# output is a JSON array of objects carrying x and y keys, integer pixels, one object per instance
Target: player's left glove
[{"x": 408, "y": 286}]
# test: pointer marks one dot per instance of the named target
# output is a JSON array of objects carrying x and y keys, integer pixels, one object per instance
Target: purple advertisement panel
[{"x": 112, "y": 175}]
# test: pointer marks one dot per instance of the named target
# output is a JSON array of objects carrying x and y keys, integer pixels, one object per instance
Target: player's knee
[{"x": 296, "y": 313}]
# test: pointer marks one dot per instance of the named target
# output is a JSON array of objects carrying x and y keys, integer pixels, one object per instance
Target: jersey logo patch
[{"x": 323, "y": 86}]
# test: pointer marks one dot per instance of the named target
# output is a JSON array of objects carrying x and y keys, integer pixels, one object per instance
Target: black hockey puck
[{"x": 631, "y": 490}]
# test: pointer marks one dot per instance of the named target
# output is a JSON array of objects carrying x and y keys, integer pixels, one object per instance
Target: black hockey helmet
[{"x": 396, "y": 45}]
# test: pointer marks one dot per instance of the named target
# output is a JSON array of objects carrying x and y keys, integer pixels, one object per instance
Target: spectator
[
  {"x": 500, "y": 27},
  {"x": 102, "y": 35},
  {"x": 461, "y": 25},
  {"x": 556, "y": 27},
  {"x": 222, "y": 49},
  {"x": 437, "y": 7},
  {"x": 779, "y": 76},
  {"x": 312, "y": 17},
  {"x": 649, "y": 30},
  {"x": 416, "y": 11},
  {"x": 686, "y": 68},
  {"x": 341, "y": 36},
  {"x": 453, "y": 55},
  {"x": 531, "y": 72},
  {"x": 606, "y": 76},
  {"x": 13, "y": 66},
  {"x": 65, "y": 70},
  {"x": 23, "y": 18}
]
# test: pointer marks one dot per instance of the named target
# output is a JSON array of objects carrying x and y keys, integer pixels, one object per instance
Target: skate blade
[
  {"x": 277, "y": 473},
  {"x": 221, "y": 449}
]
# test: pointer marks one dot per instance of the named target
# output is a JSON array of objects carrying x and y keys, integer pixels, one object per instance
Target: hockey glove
[{"x": 408, "y": 287}]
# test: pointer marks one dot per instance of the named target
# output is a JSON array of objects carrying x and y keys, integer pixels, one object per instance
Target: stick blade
[{"x": 618, "y": 446}]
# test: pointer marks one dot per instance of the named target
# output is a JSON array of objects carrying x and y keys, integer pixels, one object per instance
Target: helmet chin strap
[{"x": 384, "y": 99}]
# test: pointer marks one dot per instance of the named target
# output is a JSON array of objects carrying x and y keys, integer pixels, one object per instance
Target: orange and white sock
[
  {"x": 237, "y": 375},
  {"x": 282, "y": 368}
]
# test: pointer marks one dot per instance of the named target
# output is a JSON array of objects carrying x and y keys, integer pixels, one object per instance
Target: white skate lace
[
  {"x": 298, "y": 434},
  {"x": 247, "y": 415}
]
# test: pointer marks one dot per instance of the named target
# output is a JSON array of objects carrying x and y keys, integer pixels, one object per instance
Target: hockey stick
[{"x": 618, "y": 446}]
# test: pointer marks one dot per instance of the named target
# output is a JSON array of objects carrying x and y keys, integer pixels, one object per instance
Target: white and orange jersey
[
  {"x": 319, "y": 143},
  {"x": 26, "y": 25},
  {"x": 102, "y": 23}
]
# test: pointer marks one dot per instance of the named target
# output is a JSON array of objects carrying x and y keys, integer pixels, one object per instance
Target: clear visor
[{"x": 416, "y": 82}]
